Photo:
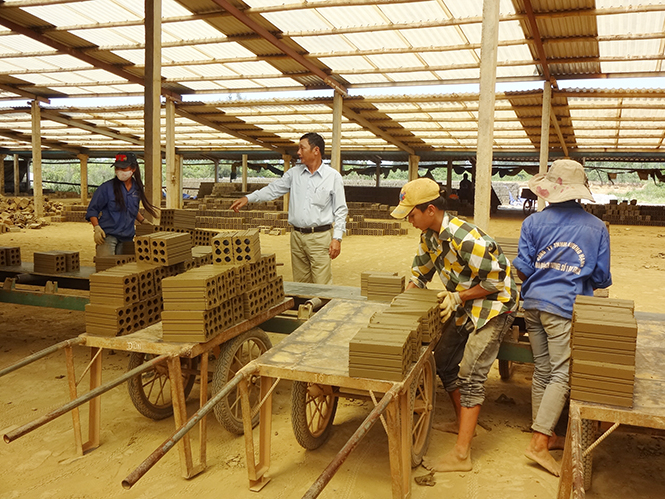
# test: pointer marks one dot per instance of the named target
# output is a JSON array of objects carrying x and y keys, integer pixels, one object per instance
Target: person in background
[
  {"x": 480, "y": 295},
  {"x": 115, "y": 206},
  {"x": 317, "y": 200},
  {"x": 563, "y": 252}
]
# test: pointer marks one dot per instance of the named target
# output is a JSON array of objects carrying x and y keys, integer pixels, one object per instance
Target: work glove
[
  {"x": 145, "y": 222},
  {"x": 100, "y": 235},
  {"x": 448, "y": 303}
]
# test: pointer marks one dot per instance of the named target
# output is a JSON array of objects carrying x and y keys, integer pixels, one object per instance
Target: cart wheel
[
  {"x": 151, "y": 391},
  {"x": 505, "y": 369},
  {"x": 529, "y": 206},
  {"x": 423, "y": 401},
  {"x": 588, "y": 437},
  {"x": 313, "y": 409},
  {"x": 236, "y": 354}
]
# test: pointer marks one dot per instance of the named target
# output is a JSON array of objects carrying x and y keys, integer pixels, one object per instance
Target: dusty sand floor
[{"x": 43, "y": 464}]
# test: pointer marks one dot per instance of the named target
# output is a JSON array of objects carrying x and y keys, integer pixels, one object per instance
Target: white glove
[
  {"x": 100, "y": 235},
  {"x": 448, "y": 303}
]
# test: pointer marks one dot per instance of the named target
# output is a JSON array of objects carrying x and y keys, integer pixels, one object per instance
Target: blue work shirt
[
  {"x": 316, "y": 198},
  {"x": 114, "y": 221},
  {"x": 563, "y": 252}
]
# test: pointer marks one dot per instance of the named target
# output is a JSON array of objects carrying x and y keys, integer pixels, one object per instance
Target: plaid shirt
[{"x": 465, "y": 256}]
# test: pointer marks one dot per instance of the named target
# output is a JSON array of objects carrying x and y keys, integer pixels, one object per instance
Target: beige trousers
[{"x": 309, "y": 257}]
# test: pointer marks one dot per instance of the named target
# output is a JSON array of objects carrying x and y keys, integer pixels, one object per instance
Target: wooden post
[
  {"x": 335, "y": 150},
  {"x": 449, "y": 178},
  {"x": 287, "y": 197},
  {"x": 179, "y": 162},
  {"x": 171, "y": 170},
  {"x": 244, "y": 173},
  {"x": 545, "y": 134},
  {"x": 16, "y": 176},
  {"x": 153, "y": 67},
  {"x": 2, "y": 174},
  {"x": 413, "y": 166},
  {"x": 488, "y": 54},
  {"x": 216, "y": 163},
  {"x": 37, "y": 158},
  {"x": 378, "y": 172},
  {"x": 83, "y": 158}
]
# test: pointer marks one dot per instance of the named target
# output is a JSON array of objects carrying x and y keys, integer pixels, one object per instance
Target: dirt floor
[{"x": 43, "y": 464}]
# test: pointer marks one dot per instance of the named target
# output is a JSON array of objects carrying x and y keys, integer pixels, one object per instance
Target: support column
[
  {"x": 216, "y": 163},
  {"x": 335, "y": 151},
  {"x": 2, "y": 174},
  {"x": 488, "y": 54},
  {"x": 545, "y": 134},
  {"x": 287, "y": 164},
  {"x": 153, "y": 68},
  {"x": 37, "y": 158},
  {"x": 83, "y": 158},
  {"x": 413, "y": 166},
  {"x": 449, "y": 178},
  {"x": 179, "y": 162},
  {"x": 244, "y": 173},
  {"x": 171, "y": 170},
  {"x": 16, "y": 175},
  {"x": 378, "y": 172}
]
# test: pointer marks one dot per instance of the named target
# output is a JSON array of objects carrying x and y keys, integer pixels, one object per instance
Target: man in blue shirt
[
  {"x": 317, "y": 200},
  {"x": 563, "y": 252}
]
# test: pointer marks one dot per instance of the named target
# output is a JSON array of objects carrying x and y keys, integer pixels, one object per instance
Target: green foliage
[{"x": 650, "y": 193}]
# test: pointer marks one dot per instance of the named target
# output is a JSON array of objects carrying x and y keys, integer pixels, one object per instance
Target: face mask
[{"x": 123, "y": 175}]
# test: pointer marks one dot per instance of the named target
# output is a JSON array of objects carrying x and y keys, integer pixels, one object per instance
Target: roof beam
[
  {"x": 350, "y": 114},
  {"x": 269, "y": 37},
  {"x": 50, "y": 115},
  {"x": 53, "y": 144},
  {"x": 80, "y": 54},
  {"x": 23, "y": 93},
  {"x": 535, "y": 32},
  {"x": 227, "y": 130}
]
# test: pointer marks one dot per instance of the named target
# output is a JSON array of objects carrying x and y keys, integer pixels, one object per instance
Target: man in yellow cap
[{"x": 481, "y": 296}]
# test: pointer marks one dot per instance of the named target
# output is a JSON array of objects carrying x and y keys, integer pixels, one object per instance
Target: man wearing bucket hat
[
  {"x": 115, "y": 206},
  {"x": 563, "y": 252},
  {"x": 480, "y": 295}
]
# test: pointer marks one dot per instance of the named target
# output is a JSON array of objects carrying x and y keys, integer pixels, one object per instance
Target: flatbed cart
[{"x": 160, "y": 377}]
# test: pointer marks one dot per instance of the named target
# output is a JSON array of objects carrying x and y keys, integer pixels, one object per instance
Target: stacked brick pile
[
  {"x": 178, "y": 219},
  {"x": 103, "y": 263},
  {"x": 370, "y": 210},
  {"x": 203, "y": 302},
  {"x": 364, "y": 276},
  {"x": 10, "y": 256},
  {"x": 604, "y": 338},
  {"x": 390, "y": 343},
  {"x": 358, "y": 226},
  {"x": 54, "y": 262},
  {"x": 18, "y": 213},
  {"x": 164, "y": 248},
  {"x": 73, "y": 213},
  {"x": 628, "y": 213},
  {"x": 384, "y": 287}
]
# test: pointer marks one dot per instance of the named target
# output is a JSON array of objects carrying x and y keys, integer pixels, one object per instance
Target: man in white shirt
[{"x": 317, "y": 211}]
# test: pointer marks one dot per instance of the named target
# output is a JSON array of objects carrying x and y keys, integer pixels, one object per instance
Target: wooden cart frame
[{"x": 318, "y": 353}]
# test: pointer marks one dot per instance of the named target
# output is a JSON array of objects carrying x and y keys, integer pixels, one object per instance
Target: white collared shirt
[{"x": 316, "y": 198}]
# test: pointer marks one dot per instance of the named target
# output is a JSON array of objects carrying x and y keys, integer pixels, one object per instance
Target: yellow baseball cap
[{"x": 421, "y": 190}]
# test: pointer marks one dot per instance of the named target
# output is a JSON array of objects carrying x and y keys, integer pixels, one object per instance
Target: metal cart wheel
[
  {"x": 529, "y": 206},
  {"x": 423, "y": 401},
  {"x": 150, "y": 391},
  {"x": 589, "y": 431},
  {"x": 505, "y": 369},
  {"x": 236, "y": 354},
  {"x": 313, "y": 409}
]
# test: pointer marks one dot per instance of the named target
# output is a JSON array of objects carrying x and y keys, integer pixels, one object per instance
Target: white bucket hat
[{"x": 564, "y": 181}]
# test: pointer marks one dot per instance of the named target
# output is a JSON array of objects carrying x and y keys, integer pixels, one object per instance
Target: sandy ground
[{"x": 43, "y": 464}]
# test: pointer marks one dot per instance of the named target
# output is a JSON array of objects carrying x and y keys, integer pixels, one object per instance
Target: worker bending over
[
  {"x": 563, "y": 252},
  {"x": 480, "y": 295}
]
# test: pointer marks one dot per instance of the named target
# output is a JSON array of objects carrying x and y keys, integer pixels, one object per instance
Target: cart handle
[
  {"x": 42, "y": 353},
  {"x": 170, "y": 442}
]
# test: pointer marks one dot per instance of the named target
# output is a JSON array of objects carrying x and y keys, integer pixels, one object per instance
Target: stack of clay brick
[
  {"x": 124, "y": 299},
  {"x": 358, "y": 226},
  {"x": 178, "y": 219},
  {"x": 384, "y": 287},
  {"x": 55, "y": 262},
  {"x": 203, "y": 302},
  {"x": 164, "y": 248},
  {"x": 236, "y": 247},
  {"x": 390, "y": 343},
  {"x": 364, "y": 276},
  {"x": 370, "y": 210},
  {"x": 604, "y": 338},
  {"x": 74, "y": 213},
  {"x": 628, "y": 213},
  {"x": 106, "y": 262},
  {"x": 10, "y": 256}
]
